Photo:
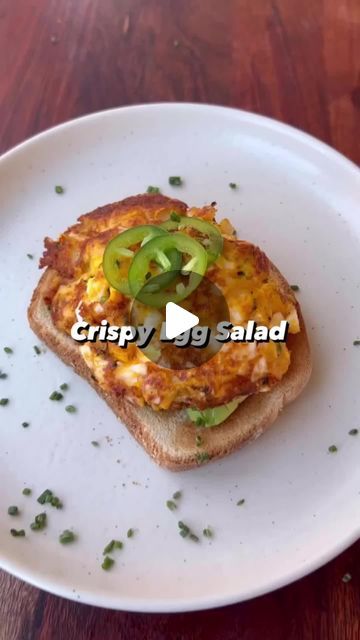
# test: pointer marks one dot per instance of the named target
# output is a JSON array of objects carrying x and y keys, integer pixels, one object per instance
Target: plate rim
[{"x": 200, "y": 602}]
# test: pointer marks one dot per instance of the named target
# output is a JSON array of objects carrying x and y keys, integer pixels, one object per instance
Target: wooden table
[{"x": 298, "y": 61}]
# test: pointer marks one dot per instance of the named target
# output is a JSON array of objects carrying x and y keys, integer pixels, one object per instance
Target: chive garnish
[
  {"x": 175, "y": 181},
  {"x": 39, "y": 522},
  {"x": 70, "y": 408},
  {"x": 175, "y": 216},
  {"x": 295, "y": 287},
  {"x": 30, "y": 256},
  {"x": 8, "y": 350},
  {"x": 47, "y": 497},
  {"x": 59, "y": 189},
  {"x": 130, "y": 533},
  {"x": 113, "y": 544},
  {"x": 13, "y": 511},
  {"x": 37, "y": 349},
  {"x": 95, "y": 443},
  {"x": 208, "y": 532},
  {"x": 193, "y": 537},
  {"x": 17, "y": 533},
  {"x": 356, "y": 343},
  {"x": 353, "y": 432},
  {"x": 202, "y": 457},
  {"x": 56, "y": 395},
  {"x": 184, "y": 529},
  {"x": 177, "y": 495},
  {"x": 67, "y": 536},
  {"x": 3, "y": 375},
  {"x": 171, "y": 505},
  {"x": 107, "y": 563},
  {"x": 333, "y": 448},
  {"x": 26, "y": 491},
  {"x": 233, "y": 185},
  {"x": 25, "y": 424},
  {"x": 64, "y": 386},
  {"x": 240, "y": 502},
  {"x": 4, "y": 401},
  {"x": 151, "y": 189}
]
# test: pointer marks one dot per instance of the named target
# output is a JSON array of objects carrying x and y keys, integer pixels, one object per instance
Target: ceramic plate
[{"x": 299, "y": 200}]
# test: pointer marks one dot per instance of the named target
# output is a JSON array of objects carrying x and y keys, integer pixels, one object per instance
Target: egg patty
[{"x": 252, "y": 287}]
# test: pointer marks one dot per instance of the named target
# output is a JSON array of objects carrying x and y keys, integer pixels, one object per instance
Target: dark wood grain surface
[{"x": 295, "y": 60}]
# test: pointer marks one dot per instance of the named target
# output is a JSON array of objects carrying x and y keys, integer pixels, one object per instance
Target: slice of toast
[{"x": 168, "y": 436}]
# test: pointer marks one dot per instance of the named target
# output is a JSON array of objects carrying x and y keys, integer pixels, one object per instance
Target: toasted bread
[{"x": 169, "y": 436}]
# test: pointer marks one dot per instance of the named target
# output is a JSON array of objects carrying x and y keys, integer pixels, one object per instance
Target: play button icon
[{"x": 178, "y": 320}]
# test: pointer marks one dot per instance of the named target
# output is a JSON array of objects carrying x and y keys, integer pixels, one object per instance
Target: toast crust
[{"x": 169, "y": 437}]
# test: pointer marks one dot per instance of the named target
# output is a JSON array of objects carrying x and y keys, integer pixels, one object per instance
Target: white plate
[{"x": 299, "y": 200}]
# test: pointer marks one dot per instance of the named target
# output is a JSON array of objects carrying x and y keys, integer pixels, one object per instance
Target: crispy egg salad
[{"x": 133, "y": 249}]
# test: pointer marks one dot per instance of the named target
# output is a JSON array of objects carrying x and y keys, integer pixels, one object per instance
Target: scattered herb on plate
[
  {"x": 4, "y": 402},
  {"x": 208, "y": 532},
  {"x": 13, "y": 511},
  {"x": 171, "y": 505},
  {"x": 26, "y": 491},
  {"x": 233, "y": 185},
  {"x": 59, "y": 189},
  {"x": 64, "y": 386},
  {"x": 152, "y": 189},
  {"x": 56, "y": 395},
  {"x": 39, "y": 523},
  {"x": 333, "y": 448},
  {"x": 356, "y": 343},
  {"x": 70, "y": 408},
  {"x": 67, "y": 536},
  {"x": 353, "y": 432},
  {"x": 295, "y": 287},
  {"x": 30, "y": 256},
  {"x": 240, "y": 502},
  {"x": 25, "y": 424},
  {"x": 37, "y": 349},
  {"x": 175, "y": 181},
  {"x": 8, "y": 350},
  {"x": 130, "y": 533},
  {"x": 3, "y": 375},
  {"x": 177, "y": 495},
  {"x": 107, "y": 563},
  {"x": 17, "y": 533}
]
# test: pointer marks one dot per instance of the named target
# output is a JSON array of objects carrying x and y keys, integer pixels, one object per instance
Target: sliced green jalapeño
[
  {"x": 213, "y": 243},
  {"x": 118, "y": 255},
  {"x": 157, "y": 293}
]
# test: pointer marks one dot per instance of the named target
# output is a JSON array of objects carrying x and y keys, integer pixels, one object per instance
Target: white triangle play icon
[{"x": 178, "y": 320}]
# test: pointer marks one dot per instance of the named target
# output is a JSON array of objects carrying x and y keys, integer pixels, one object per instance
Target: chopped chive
[
  {"x": 95, "y": 443},
  {"x": 202, "y": 457},
  {"x": 25, "y": 424},
  {"x": 8, "y": 350},
  {"x": 346, "y": 577},
  {"x": 39, "y": 522},
  {"x": 177, "y": 495},
  {"x": 200, "y": 421},
  {"x": 4, "y": 401},
  {"x": 175, "y": 216},
  {"x": 184, "y": 529},
  {"x": 356, "y": 343},
  {"x": 59, "y": 189},
  {"x": 198, "y": 441},
  {"x": 208, "y": 532},
  {"x": 56, "y": 502},
  {"x": 17, "y": 533},
  {"x": 151, "y": 189},
  {"x": 130, "y": 533},
  {"x": 233, "y": 185},
  {"x": 240, "y": 502},
  {"x": 13, "y": 511},
  {"x": 353, "y": 432},
  {"x": 333, "y": 448},
  {"x": 107, "y": 563},
  {"x": 30, "y": 256},
  {"x": 64, "y": 386},
  {"x": 3, "y": 375},
  {"x": 70, "y": 408},
  {"x": 45, "y": 496},
  {"x": 193, "y": 537},
  {"x": 56, "y": 395},
  {"x": 175, "y": 181},
  {"x": 171, "y": 505},
  {"x": 113, "y": 544},
  {"x": 67, "y": 536},
  {"x": 26, "y": 491},
  {"x": 37, "y": 349},
  {"x": 295, "y": 287}
]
